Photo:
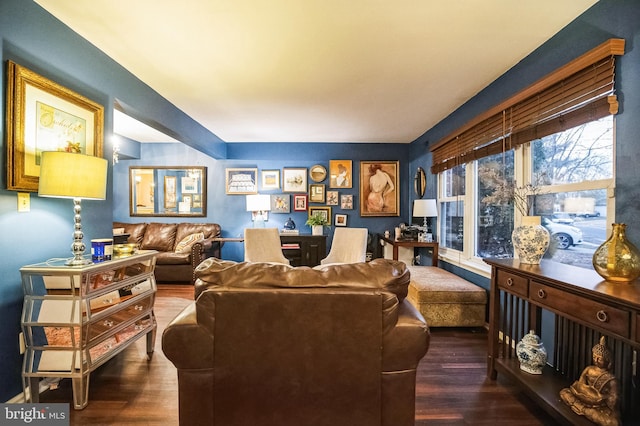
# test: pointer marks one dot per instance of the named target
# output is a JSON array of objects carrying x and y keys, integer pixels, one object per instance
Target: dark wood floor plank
[{"x": 451, "y": 387}]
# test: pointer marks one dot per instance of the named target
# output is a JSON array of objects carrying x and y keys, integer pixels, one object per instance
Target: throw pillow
[{"x": 186, "y": 243}]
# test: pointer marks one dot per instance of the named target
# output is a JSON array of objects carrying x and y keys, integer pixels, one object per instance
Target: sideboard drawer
[
  {"x": 597, "y": 314},
  {"x": 513, "y": 283}
]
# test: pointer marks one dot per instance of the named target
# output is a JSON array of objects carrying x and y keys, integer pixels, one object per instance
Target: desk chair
[{"x": 349, "y": 246}]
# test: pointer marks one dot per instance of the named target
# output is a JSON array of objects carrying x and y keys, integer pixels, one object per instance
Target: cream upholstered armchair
[
  {"x": 263, "y": 245},
  {"x": 349, "y": 246}
]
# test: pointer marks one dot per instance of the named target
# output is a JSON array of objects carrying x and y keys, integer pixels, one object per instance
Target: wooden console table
[
  {"x": 412, "y": 243},
  {"x": 300, "y": 249},
  {"x": 570, "y": 308}
]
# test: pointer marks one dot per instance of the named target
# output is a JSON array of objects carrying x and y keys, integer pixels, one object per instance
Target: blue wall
[
  {"x": 229, "y": 210},
  {"x": 31, "y": 37}
]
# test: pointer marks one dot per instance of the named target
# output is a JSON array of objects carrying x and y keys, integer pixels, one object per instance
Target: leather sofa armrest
[
  {"x": 187, "y": 344},
  {"x": 407, "y": 343}
]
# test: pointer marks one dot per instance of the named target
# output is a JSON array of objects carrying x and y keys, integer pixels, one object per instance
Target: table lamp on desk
[{"x": 426, "y": 209}]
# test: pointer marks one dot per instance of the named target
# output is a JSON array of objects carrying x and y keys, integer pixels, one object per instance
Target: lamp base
[
  {"x": 78, "y": 262},
  {"x": 77, "y": 247}
]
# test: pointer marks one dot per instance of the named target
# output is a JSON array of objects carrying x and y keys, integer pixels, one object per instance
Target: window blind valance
[{"x": 579, "y": 92}]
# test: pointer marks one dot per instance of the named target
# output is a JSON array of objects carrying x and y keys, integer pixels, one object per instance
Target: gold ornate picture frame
[
  {"x": 43, "y": 115},
  {"x": 379, "y": 188}
]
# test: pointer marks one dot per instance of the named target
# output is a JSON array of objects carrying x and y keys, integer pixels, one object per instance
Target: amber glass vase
[{"x": 617, "y": 259}]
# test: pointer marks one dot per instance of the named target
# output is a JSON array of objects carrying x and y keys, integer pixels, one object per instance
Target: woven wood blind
[{"x": 575, "y": 94}]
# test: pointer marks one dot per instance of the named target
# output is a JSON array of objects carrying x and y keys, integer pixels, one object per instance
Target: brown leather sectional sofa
[
  {"x": 270, "y": 344},
  {"x": 172, "y": 264}
]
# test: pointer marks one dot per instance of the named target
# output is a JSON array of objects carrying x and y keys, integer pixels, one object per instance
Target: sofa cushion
[
  {"x": 184, "y": 245},
  {"x": 209, "y": 230},
  {"x": 135, "y": 231},
  {"x": 159, "y": 236},
  {"x": 384, "y": 274},
  {"x": 172, "y": 258}
]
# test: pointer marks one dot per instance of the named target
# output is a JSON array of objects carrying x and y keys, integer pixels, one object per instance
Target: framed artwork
[
  {"x": 341, "y": 220},
  {"x": 189, "y": 185},
  {"x": 379, "y": 190},
  {"x": 346, "y": 201},
  {"x": 294, "y": 179},
  {"x": 169, "y": 192},
  {"x": 197, "y": 201},
  {"x": 270, "y": 179},
  {"x": 332, "y": 198},
  {"x": 322, "y": 211},
  {"x": 280, "y": 203},
  {"x": 340, "y": 172},
  {"x": 241, "y": 181},
  {"x": 44, "y": 116},
  {"x": 316, "y": 193},
  {"x": 300, "y": 202},
  {"x": 318, "y": 173}
]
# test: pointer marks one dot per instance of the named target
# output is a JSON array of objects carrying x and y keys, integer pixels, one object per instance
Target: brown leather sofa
[
  {"x": 273, "y": 345},
  {"x": 175, "y": 263}
]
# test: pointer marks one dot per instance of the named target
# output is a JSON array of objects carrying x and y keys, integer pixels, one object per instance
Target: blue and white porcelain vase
[
  {"x": 530, "y": 240},
  {"x": 531, "y": 354}
]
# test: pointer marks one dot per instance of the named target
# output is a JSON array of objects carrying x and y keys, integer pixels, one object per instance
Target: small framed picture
[
  {"x": 294, "y": 180},
  {"x": 270, "y": 179},
  {"x": 346, "y": 201},
  {"x": 241, "y": 181},
  {"x": 332, "y": 198},
  {"x": 341, "y": 220},
  {"x": 316, "y": 193},
  {"x": 300, "y": 202},
  {"x": 322, "y": 211},
  {"x": 340, "y": 174},
  {"x": 280, "y": 203}
]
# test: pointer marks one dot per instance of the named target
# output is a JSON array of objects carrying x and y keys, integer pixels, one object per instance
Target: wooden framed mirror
[
  {"x": 168, "y": 191},
  {"x": 420, "y": 182}
]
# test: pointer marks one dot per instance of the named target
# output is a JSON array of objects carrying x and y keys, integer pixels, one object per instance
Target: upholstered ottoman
[{"x": 445, "y": 299}]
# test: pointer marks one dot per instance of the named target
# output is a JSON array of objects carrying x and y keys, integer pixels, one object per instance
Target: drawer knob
[
  {"x": 602, "y": 316},
  {"x": 510, "y": 282},
  {"x": 542, "y": 294},
  {"x": 108, "y": 323},
  {"x": 138, "y": 307}
]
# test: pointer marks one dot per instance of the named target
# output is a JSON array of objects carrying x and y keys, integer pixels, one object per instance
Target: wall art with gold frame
[
  {"x": 379, "y": 188},
  {"x": 43, "y": 115}
]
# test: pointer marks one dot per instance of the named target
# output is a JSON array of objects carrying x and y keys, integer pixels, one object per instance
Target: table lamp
[
  {"x": 76, "y": 176},
  {"x": 425, "y": 209},
  {"x": 259, "y": 206}
]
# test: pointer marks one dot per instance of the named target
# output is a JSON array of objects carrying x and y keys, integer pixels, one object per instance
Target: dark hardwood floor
[{"x": 451, "y": 389}]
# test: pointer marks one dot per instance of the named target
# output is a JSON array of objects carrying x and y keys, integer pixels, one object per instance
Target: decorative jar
[
  {"x": 617, "y": 259},
  {"x": 290, "y": 224},
  {"x": 531, "y": 354},
  {"x": 530, "y": 240}
]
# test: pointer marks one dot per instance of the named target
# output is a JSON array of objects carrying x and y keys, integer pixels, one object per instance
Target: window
[
  {"x": 574, "y": 169},
  {"x": 556, "y": 134}
]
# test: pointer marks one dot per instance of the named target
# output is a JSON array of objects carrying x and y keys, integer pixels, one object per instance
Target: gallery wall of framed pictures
[{"x": 324, "y": 188}]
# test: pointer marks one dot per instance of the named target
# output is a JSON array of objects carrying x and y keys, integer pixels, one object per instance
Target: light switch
[{"x": 24, "y": 202}]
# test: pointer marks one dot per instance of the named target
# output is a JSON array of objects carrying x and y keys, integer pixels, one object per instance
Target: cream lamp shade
[
  {"x": 76, "y": 176},
  {"x": 259, "y": 206},
  {"x": 425, "y": 209},
  {"x": 68, "y": 175}
]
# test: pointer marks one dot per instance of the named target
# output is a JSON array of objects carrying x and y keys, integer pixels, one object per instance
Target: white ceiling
[{"x": 317, "y": 70}]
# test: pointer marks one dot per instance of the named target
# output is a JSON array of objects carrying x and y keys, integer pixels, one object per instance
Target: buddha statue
[{"x": 595, "y": 394}]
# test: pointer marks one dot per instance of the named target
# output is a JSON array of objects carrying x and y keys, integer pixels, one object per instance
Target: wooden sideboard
[
  {"x": 570, "y": 308},
  {"x": 303, "y": 249}
]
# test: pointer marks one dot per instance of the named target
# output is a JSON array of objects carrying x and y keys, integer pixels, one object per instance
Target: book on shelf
[
  {"x": 289, "y": 232},
  {"x": 290, "y": 246}
]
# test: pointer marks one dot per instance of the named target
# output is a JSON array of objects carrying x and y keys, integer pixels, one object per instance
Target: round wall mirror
[{"x": 420, "y": 182}]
